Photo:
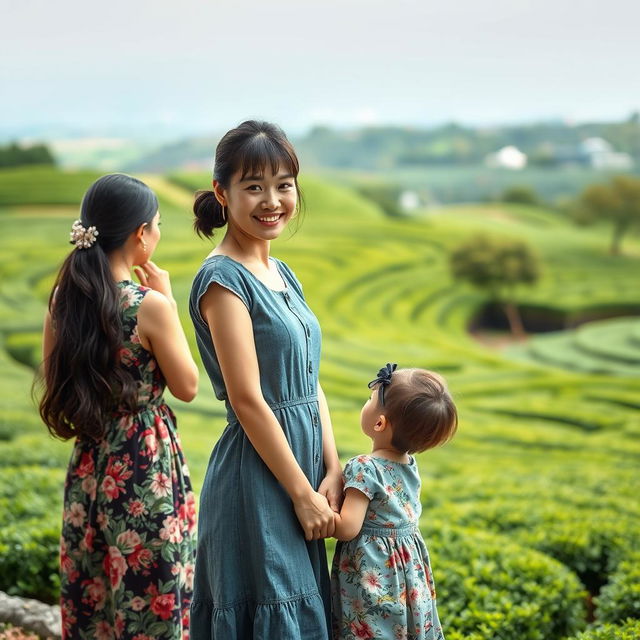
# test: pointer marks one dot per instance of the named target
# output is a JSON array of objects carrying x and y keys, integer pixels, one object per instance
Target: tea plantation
[{"x": 531, "y": 513}]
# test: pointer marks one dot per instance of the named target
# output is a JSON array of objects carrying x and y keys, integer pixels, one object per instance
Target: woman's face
[
  {"x": 260, "y": 206},
  {"x": 151, "y": 235}
]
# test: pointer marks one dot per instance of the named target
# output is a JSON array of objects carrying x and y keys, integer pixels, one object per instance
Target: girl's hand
[
  {"x": 152, "y": 276},
  {"x": 315, "y": 516},
  {"x": 332, "y": 487}
]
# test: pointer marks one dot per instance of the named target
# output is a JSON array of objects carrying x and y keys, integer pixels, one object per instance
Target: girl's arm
[
  {"x": 159, "y": 324},
  {"x": 332, "y": 483},
  {"x": 349, "y": 520},
  {"x": 232, "y": 334},
  {"x": 161, "y": 333}
]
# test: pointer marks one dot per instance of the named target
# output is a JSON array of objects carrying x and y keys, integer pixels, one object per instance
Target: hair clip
[
  {"x": 82, "y": 237},
  {"x": 383, "y": 380}
]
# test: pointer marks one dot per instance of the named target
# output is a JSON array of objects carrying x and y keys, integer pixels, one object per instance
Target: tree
[
  {"x": 497, "y": 266},
  {"x": 617, "y": 201}
]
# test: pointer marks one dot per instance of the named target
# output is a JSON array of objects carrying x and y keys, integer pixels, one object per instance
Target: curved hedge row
[
  {"x": 620, "y": 597},
  {"x": 489, "y": 587}
]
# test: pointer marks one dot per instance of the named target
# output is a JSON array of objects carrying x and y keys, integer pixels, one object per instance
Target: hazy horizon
[{"x": 159, "y": 69}]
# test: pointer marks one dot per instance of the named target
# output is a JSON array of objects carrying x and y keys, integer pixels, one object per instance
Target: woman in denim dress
[{"x": 274, "y": 478}]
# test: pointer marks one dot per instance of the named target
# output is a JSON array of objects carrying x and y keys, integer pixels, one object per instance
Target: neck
[
  {"x": 245, "y": 250},
  {"x": 391, "y": 454},
  {"x": 120, "y": 266}
]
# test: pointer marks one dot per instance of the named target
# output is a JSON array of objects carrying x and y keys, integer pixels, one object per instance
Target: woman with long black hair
[{"x": 110, "y": 346}]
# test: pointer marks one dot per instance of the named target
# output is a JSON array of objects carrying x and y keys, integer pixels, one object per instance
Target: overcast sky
[{"x": 196, "y": 66}]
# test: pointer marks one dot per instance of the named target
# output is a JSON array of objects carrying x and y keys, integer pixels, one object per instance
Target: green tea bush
[
  {"x": 620, "y": 597},
  {"x": 489, "y": 587},
  {"x": 592, "y": 548},
  {"x": 29, "y": 553},
  {"x": 629, "y": 630}
]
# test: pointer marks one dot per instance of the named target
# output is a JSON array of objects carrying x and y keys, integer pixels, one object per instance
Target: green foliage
[
  {"x": 629, "y": 630},
  {"x": 544, "y": 465},
  {"x": 488, "y": 587},
  {"x": 29, "y": 559},
  {"x": 14, "y": 155},
  {"x": 44, "y": 186},
  {"x": 620, "y": 597},
  {"x": 386, "y": 196},
  {"x": 520, "y": 194},
  {"x": 617, "y": 202},
  {"x": 494, "y": 264}
]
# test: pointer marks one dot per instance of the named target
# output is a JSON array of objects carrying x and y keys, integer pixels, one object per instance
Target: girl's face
[
  {"x": 370, "y": 413},
  {"x": 151, "y": 235},
  {"x": 261, "y": 206}
]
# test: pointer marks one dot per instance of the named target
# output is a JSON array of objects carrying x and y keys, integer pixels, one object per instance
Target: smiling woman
[{"x": 274, "y": 479}]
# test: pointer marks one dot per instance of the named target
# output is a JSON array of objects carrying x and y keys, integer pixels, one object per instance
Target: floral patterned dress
[
  {"x": 128, "y": 536},
  {"x": 381, "y": 581}
]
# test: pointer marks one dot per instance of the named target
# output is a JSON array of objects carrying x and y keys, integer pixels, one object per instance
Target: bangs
[{"x": 261, "y": 151}]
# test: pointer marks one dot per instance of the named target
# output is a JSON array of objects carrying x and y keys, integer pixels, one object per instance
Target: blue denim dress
[{"x": 256, "y": 577}]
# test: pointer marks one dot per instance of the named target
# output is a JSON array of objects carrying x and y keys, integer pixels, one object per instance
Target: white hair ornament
[{"x": 82, "y": 237}]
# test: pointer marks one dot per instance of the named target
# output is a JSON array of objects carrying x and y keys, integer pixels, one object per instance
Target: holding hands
[{"x": 315, "y": 516}]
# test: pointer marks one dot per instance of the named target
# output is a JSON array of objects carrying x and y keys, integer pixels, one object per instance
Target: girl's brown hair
[{"x": 420, "y": 409}]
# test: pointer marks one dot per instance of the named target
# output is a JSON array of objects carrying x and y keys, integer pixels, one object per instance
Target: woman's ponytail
[{"x": 209, "y": 214}]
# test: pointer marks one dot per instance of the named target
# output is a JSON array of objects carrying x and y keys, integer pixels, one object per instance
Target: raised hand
[{"x": 152, "y": 276}]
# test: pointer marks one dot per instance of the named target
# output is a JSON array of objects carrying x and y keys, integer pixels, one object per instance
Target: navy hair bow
[{"x": 383, "y": 380}]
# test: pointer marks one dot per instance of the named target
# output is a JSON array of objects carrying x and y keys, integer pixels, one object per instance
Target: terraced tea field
[{"x": 530, "y": 512}]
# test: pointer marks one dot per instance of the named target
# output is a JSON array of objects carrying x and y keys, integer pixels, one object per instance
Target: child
[
  {"x": 127, "y": 549},
  {"x": 382, "y": 586}
]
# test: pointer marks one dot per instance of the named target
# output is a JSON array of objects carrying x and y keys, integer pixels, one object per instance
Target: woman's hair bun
[{"x": 209, "y": 213}]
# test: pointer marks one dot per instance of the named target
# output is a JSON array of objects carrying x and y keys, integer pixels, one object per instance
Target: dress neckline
[
  {"x": 405, "y": 464},
  {"x": 253, "y": 275}
]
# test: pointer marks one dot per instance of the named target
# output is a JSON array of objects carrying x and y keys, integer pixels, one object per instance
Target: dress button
[
  {"x": 308, "y": 331},
  {"x": 315, "y": 419},
  {"x": 310, "y": 369}
]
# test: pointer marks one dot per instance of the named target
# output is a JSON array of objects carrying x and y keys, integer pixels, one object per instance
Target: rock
[{"x": 31, "y": 615}]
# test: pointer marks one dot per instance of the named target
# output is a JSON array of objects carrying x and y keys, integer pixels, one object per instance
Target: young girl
[
  {"x": 110, "y": 346},
  {"x": 274, "y": 476},
  {"x": 382, "y": 586}
]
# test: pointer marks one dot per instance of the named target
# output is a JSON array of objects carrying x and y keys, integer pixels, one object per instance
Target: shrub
[
  {"x": 29, "y": 560},
  {"x": 520, "y": 194},
  {"x": 629, "y": 630},
  {"x": 489, "y": 587},
  {"x": 620, "y": 597}
]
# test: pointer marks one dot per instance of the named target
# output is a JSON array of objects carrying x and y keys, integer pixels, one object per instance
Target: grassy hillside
[{"x": 529, "y": 508}]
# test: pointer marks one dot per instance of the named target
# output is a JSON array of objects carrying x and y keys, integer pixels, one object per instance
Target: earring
[
  {"x": 144, "y": 247},
  {"x": 224, "y": 213}
]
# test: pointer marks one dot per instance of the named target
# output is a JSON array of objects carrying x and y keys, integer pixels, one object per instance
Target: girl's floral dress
[
  {"x": 127, "y": 550},
  {"x": 382, "y": 586}
]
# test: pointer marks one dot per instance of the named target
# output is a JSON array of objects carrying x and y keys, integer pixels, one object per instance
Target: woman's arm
[
  {"x": 161, "y": 333},
  {"x": 349, "y": 520},
  {"x": 332, "y": 484},
  {"x": 232, "y": 334},
  {"x": 159, "y": 323}
]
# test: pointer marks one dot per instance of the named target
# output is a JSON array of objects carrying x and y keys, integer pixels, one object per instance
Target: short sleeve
[
  {"x": 225, "y": 272},
  {"x": 360, "y": 473}
]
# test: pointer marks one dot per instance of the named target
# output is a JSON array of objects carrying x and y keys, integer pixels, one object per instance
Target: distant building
[
  {"x": 509, "y": 157},
  {"x": 599, "y": 154},
  {"x": 409, "y": 201}
]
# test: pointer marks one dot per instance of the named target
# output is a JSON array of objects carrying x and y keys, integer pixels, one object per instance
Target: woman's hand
[
  {"x": 152, "y": 276},
  {"x": 315, "y": 516},
  {"x": 332, "y": 487}
]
